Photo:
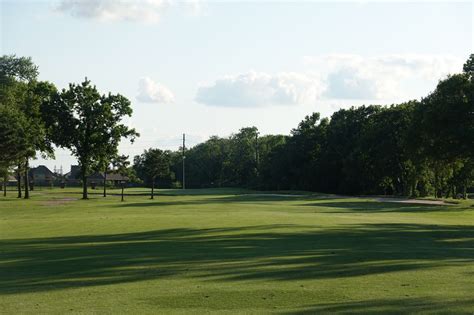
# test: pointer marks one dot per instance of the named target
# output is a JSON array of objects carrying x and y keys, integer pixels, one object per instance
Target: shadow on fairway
[
  {"x": 326, "y": 204},
  {"x": 387, "y": 306},
  {"x": 268, "y": 252},
  {"x": 244, "y": 198},
  {"x": 348, "y": 206}
]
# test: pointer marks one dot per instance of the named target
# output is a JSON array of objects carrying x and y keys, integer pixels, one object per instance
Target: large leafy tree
[
  {"x": 384, "y": 140},
  {"x": 269, "y": 149},
  {"x": 343, "y": 162},
  {"x": 153, "y": 164},
  {"x": 38, "y": 95},
  {"x": 304, "y": 152},
  {"x": 17, "y": 68},
  {"x": 468, "y": 67},
  {"x": 447, "y": 118},
  {"x": 204, "y": 163},
  {"x": 12, "y": 140},
  {"x": 20, "y": 92},
  {"x": 446, "y": 126},
  {"x": 243, "y": 157},
  {"x": 12, "y": 135},
  {"x": 88, "y": 123}
]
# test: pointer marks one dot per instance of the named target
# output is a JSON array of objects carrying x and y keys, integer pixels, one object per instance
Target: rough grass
[{"x": 221, "y": 251}]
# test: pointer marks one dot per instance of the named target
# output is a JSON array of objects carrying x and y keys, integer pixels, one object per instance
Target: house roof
[
  {"x": 74, "y": 173},
  {"x": 99, "y": 176},
  {"x": 41, "y": 170}
]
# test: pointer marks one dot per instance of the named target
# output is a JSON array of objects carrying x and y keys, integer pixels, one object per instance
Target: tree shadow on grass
[
  {"x": 389, "y": 306},
  {"x": 212, "y": 199},
  {"x": 268, "y": 252},
  {"x": 350, "y": 206},
  {"x": 327, "y": 205},
  {"x": 263, "y": 300}
]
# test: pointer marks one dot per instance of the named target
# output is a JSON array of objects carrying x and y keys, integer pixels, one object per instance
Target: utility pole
[
  {"x": 256, "y": 150},
  {"x": 257, "y": 175},
  {"x": 184, "y": 157}
]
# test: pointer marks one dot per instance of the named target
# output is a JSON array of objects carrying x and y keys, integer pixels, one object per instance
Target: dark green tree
[
  {"x": 17, "y": 68},
  {"x": 269, "y": 151},
  {"x": 153, "y": 164},
  {"x": 38, "y": 95},
  {"x": 446, "y": 126},
  {"x": 468, "y": 67},
  {"x": 242, "y": 166},
  {"x": 205, "y": 163},
  {"x": 13, "y": 143},
  {"x": 17, "y": 76},
  {"x": 88, "y": 123}
]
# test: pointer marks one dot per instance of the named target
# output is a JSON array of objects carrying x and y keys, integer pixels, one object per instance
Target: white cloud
[
  {"x": 381, "y": 77},
  {"x": 194, "y": 7},
  {"x": 148, "y": 11},
  {"x": 253, "y": 89},
  {"x": 150, "y": 91}
]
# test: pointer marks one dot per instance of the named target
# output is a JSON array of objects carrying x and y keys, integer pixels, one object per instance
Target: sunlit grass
[{"x": 224, "y": 250}]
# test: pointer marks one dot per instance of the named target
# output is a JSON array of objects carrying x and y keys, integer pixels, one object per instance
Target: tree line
[
  {"x": 35, "y": 117},
  {"x": 417, "y": 148}
]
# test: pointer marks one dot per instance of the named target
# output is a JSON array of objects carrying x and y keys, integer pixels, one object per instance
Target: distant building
[
  {"x": 73, "y": 177},
  {"x": 41, "y": 176},
  {"x": 11, "y": 180},
  {"x": 111, "y": 178}
]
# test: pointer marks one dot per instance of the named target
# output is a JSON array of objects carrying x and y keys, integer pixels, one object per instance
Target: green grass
[{"x": 225, "y": 251}]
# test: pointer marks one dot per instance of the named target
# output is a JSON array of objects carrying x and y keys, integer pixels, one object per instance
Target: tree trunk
[
  {"x": 84, "y": 187},
  {"x": 5, "y": 186},
  {"x": 27, "y": 180},
  {"x": 19, "y": 181},
  {"x": 122, "y": 191},
  {"x": 464, "y": 191},
  {"x": 414, "y": 192},
  {"x": 152, "y": 188},
  {"x": 105, "y": 182},
  {"x": 84, "y": 182},
  {"x": 435, "y": 184}
]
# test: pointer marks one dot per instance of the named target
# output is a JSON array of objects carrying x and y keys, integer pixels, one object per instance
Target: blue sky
[{"x": 210, "y": 68}]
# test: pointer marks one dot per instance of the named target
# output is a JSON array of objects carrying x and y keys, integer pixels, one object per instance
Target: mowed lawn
[{"x": 220, "y": 251}]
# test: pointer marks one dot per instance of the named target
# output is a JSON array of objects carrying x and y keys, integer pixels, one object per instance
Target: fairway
[{"x": 225, "y": 251}]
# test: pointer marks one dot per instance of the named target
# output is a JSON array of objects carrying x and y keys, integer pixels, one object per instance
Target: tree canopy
[
  {"x": 88, "y": 123},
  {"x": 417, "y": 148}
]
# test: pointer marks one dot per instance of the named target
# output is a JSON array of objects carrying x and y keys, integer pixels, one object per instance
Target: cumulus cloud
[
  {"x": 150, "y": 91},
  {"x": 383, "y": 78},
  {"x": 115, "y": 10},
  {"x": 380, "y": 77},
  {"x": 258, "y": 89}
]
